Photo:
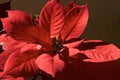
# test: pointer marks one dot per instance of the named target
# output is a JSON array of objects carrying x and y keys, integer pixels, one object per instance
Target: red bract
[
  {"x": 99, "y": 51},
  {"x": 18, "y": 59},
  {"x": 50, "y": 42},
  {"x": 76, "y": 21}
]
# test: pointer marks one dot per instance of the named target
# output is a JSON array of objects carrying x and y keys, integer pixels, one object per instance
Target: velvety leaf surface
[
  {"x": 99, "y": 51},
  {"x": 51, "y": 19},
  {"x": 76, "y": 21},
  {"x": 50, "y": 64},
  {"x": 19, "y": 63}
]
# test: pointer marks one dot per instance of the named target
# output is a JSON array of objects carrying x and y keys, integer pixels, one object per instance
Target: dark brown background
[{"x": 103, "y": 22}]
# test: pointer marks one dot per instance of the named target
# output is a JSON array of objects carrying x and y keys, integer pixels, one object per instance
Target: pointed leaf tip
[
  {"x": 52, "y": 18},
  {"x": 76, "y": 21}
]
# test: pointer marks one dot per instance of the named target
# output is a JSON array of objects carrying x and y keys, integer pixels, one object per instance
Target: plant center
[{"x": 57, "y": 44}]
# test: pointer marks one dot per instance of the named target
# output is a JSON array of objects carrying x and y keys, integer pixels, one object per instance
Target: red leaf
[
  {"x": 70, "y": 6},
  {"x": 73, "y": 43},
  {"x": 73, "y": 51},
  {"x": 19, "y": 25},
  {"x": 50, "y": 64},
  {"x": 6, "y": 41},
  {"x": 29, "y": 47},
  {"x": 98, "y": 51},
  {"x": 18, "y": 63},
  {"x": 19, "y": 78},
  {"x": 9, "y": 45},
  {"x": 51, "y": 19},
  {"x": 3, "y": 57},
  {"x": 76, "y": 21}
]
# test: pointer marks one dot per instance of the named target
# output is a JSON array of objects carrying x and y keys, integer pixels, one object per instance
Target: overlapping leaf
[
  {"x": 50, "y": 64},
  {"x": 19, "y": 63},
  {"x": 23, "y": 60},
  {"x": 3, "y": 58},
  {"x": 73, "y": 43},
  {"x": 99, "y": 51},
  {"x": 19, "y": 25},
  {"x": 76, "y": 21},
  {"x": 16, "y": 56},
  {"x": 7, "y": 42},
  {"x": 9, "y": 45},
  {"x": 52, "y": 19}
]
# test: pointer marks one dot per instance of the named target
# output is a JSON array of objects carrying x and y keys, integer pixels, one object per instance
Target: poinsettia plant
[{"x": 47, "y": 44}]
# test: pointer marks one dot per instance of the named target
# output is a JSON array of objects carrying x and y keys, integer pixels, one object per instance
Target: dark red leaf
[
  {"x": 79, "y": 70},
  {"x": 76, "y": 21},
  {"x": 73, "y": 43},
  {"x": 51, "y": 20}
]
